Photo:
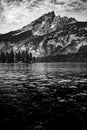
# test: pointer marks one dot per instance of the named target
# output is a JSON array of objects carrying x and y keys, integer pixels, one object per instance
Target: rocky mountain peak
[
  {"x": 48, "y": 35},
  {"x": 46, "y": 23}
]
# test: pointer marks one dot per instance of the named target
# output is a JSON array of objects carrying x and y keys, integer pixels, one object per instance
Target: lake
[{"x": 43, "y": 96}]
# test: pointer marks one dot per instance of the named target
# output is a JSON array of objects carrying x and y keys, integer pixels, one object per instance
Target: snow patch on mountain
[{"x": 83, "y": 43}]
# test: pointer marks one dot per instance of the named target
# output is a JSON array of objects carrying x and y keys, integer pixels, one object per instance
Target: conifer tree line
[{"x": 15, "y": 57}]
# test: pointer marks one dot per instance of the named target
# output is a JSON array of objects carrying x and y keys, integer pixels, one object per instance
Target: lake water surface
[{"x": 43, "y": 96}]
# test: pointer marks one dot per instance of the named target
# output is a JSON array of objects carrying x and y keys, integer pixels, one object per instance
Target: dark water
[{"x": 43, "y": 96}]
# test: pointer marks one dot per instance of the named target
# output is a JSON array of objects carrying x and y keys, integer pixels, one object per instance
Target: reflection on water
[{"x": 43, "y": 96}]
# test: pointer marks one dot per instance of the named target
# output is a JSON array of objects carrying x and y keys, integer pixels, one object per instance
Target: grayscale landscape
[{"x": 43, "y": 64}]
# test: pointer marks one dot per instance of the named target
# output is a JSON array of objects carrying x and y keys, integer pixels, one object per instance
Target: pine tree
[
  {"x": 12, "y": 56},
  {"x": 3, "y": 57},
  {"x": 27, "y": 57},
  {"x": 30, "y": 57},
  {"x": 18, "y": 56},
  {"x": 7, "y": 57}
]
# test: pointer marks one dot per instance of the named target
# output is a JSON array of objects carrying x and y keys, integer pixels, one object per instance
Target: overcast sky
[{"x": 15, "y": 14}]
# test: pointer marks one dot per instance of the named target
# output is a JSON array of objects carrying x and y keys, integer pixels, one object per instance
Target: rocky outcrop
[{"x": 48, "y": 36}]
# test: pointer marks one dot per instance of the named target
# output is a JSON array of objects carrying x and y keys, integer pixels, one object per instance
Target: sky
[{"x": 14, "y": 14}]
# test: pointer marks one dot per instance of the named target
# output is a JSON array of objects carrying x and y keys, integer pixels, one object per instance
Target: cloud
[
  {"x": 17, "y": 13},
  {"x": 76, "y": 5},
  {"x": 84, "y": 0}
]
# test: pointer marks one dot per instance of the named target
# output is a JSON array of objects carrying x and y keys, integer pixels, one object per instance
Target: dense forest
[{"x": 16, "y": 57}]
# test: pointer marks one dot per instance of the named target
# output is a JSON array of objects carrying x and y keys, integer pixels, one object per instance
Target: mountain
[{"x": 49, "y": 38}]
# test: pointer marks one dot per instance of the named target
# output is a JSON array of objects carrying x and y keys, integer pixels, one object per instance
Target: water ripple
[{"x": 48, "y": 91}]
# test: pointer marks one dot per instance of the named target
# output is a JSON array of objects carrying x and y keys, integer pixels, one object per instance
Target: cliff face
[{"x": 48, "y": 36}]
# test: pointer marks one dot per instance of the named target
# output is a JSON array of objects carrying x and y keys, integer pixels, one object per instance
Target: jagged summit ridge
[
  {"x": 47, "y": 23},
  {"x": 49, "y": 35},
  {"x": 48, "y": 20}
]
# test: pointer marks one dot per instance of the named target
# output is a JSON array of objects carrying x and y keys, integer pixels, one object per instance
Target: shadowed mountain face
[{"x": 49, "y": 37}]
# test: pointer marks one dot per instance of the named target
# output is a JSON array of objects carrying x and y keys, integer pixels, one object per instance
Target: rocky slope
[{"x": 49, "y": 36}]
